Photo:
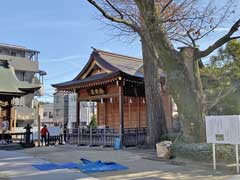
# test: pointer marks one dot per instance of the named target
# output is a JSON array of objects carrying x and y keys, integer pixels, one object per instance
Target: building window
[
  {"x": 57, "y": 99},
  {"x": 50, "y": 115},
  {"x": 45, "y": 114},
  {"x": 13, "y": 54},
  {"x": 57, "y": 112}
]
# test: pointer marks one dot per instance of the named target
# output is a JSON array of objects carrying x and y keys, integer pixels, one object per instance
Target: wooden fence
[{"x": 105, "y": 136}]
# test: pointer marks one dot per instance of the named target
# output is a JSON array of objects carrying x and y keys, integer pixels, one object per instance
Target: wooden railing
[
  {"x": 105, "y": 136},
  {"x": 134, "y": 136}
]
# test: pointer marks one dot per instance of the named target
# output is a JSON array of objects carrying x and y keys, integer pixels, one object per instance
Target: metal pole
[
  {"x": 214, "y": 157},
  {"x": 237, "y": 158}
]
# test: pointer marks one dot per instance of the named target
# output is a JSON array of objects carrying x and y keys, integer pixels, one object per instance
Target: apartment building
[
  {"x": 46, "y": 114},
  {"x": 26, "y": 66},
  {"x": 65, "y": 110}
]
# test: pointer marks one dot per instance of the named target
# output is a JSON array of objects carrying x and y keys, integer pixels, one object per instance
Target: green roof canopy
[{"x": 10, "y": 85}]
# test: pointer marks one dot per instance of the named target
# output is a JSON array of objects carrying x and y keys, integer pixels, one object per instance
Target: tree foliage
[
  {"x": 93, "y": 122},
  {"x": 221, "y": 80}
]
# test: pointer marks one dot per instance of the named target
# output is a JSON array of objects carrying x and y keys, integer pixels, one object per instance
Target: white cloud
[{"x": 62, "y": 59}]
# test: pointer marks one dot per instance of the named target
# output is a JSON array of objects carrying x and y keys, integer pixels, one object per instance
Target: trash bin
[
  {"x": 164, "y": 149},
  {"x": 117, "y": 144}
]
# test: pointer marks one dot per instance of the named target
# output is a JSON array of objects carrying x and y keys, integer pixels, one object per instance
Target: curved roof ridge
[{"x": 119, "y": 55}]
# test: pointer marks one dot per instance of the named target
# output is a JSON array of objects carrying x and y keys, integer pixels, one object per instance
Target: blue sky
[{"x": 63, "y": 31}]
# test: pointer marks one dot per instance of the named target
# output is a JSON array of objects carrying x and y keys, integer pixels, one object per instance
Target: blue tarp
[
  {"x": 53, "y": 166},
  {"x": 99, "y": 166},
  {"x": 86, "y": 166}
]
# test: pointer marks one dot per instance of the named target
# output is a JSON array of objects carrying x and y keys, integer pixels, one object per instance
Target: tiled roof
[
  {"x": 115, "y": 64},
  {"x": 129, "y": 65},
  {"x": 10, "y": 85},
  {"x": 86, "y": 80}
]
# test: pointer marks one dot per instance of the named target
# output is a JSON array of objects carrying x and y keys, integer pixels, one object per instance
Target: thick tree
[{"x": 159, "y": 23}]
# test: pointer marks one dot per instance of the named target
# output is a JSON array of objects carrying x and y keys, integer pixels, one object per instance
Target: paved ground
[
  {"x": 139, "y": 163},
  {"x": 17, "y": 165}
]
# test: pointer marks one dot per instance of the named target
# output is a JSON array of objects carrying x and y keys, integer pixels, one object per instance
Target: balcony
[
  {"x": 39, "y": 92},
  {"x": 21, "y": 63}
]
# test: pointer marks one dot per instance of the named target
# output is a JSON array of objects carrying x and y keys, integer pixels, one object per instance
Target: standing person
[
  {"x": 28, "y": 134},
  {"x": 65, "y": 134},
  {"x": 44, "y": 132}
]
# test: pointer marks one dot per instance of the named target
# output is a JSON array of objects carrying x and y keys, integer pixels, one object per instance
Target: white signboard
[{"x": 223, "y": 129}]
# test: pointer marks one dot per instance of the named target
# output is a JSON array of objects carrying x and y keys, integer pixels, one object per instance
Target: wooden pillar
[
  {"x": 77, "y": 110},
  {"x": 129, "y": 113},
  {"x": 139, "y": 121},
  {"x": 15, "y": 119},
  {"x": 121, "y": 113},
  {"x": 98, "y": 113},
  {"x": 38, "y": 123},
  {"x": 9, "y": 114},
  {"x": 105, "y": 113}
]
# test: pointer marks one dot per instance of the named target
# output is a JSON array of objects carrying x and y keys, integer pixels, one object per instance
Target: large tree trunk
[
  {"x": 155, "y": 112},
  {"x": 186, "y": 87},
  {"x": 181, "y": 69}
]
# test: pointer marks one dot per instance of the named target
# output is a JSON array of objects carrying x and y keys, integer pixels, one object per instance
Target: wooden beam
[{"x": 98, "y": 97}]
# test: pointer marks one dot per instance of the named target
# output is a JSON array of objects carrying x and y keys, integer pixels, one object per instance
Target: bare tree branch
[
  {"x": 114, "y": 8},
  {"x": 221, "y": 41},
  {"x": 167, "y": 4},
  {"x": 111, "y": 18}
]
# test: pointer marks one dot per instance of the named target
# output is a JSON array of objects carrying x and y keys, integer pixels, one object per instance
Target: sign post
[
  {"x": 214, "y": 156},
  {"x": 223, "y": 130},
  {"x": 237, "y": 158}
]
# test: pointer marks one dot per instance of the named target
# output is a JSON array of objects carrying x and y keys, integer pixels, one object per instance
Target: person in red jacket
[{"x": 44, "y": 132}]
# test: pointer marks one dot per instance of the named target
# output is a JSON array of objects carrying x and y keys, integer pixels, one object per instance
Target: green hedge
[{"x": 203, "y": 152}]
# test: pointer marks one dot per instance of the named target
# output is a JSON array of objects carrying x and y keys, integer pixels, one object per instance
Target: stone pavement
[
  {"x": 140, "y": 168},
  {"x": 15, "y": 165}
]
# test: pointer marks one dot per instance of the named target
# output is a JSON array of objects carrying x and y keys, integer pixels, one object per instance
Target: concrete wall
[
  {"x": 65, "y": 104},
  {"x": 58, "y": 114},
  {"x": 46, "y": 114}
]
